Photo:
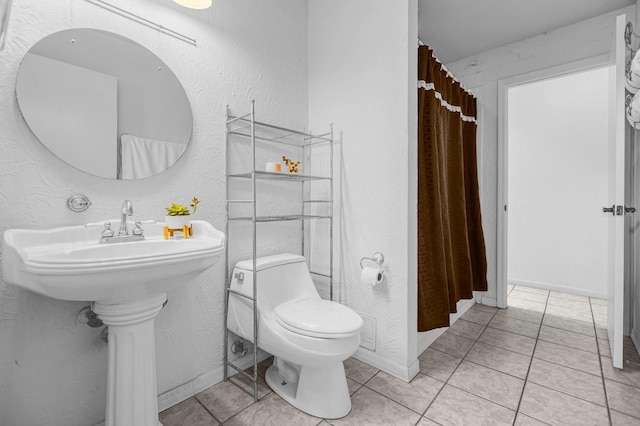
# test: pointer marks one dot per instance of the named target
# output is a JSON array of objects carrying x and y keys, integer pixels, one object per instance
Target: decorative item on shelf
[
  {"x": 272, "y": 166},
  {"x": 292, "y": 166},
  {"x": 178, "y": 219}
]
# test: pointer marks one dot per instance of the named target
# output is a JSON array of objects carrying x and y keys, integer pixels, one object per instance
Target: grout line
[
  {"x": 446, "y": 382},
  {"x": 604, "y": 387},
  {"x": 208, "y": 411},
  {"x": 526, "y": 378}
]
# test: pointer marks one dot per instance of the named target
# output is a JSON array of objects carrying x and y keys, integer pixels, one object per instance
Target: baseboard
[
  {"x": 400, "y": 371},
  {"x": 489, "y": 301},
  {"x": 425, "y": 339},
  {"x": 556, "y": 287}
]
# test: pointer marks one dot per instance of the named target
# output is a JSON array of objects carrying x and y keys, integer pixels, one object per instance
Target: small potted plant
[{"x": 179, "y": 216}]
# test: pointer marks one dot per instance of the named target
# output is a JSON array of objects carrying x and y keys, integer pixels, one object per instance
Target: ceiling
[{"x": 456, "y": 29}]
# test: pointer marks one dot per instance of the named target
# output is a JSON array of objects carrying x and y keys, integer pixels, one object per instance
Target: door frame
[{"x": 594, "y": 62}]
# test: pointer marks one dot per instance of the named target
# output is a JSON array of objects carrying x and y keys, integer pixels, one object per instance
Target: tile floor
[{"x": 544, "y": 360}]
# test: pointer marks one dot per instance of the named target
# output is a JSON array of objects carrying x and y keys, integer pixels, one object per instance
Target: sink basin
[
  {"x": 69, "y": 264},
  {"x": 127, "y": 283}
]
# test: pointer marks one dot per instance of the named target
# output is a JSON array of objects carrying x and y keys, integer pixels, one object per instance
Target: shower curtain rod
[
  {"x": 420, "y": 43},
  {"x": 144, "y": 21}
]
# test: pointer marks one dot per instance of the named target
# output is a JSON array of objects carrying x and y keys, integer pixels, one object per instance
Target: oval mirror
[{"x": 104, "y": 104}]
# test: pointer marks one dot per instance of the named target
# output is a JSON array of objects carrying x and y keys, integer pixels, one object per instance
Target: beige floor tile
[
  {"x": 371, "y": 408},
  {"x": 623, "y": 398},
  {"x": 503, "y": 339},
  {"x": 246, "y": 383},
  {"x": 353, "y": 386},
  {"x": 521, "y": 314},
  {"x": 575, "y": 326},
  {"x": 272, "y": 411},
  {"x": 225, "y": 399},
  {"x": 522, "y": 420},
  {"x": 358, "y": 370},
  {"x": 510, "y": 288},
  {"x": 582, "y": 306},
  {"x": 532, "y": 290},
  {"x": 527, "y": 295},
  {"x": 453, "y": 344},
  {"x": 561, "y": 311},
  {"x": 437, "y": 364},
  {"x": 484, "y": 308},
  {"x": 599, "y": 309},
  {"x": 630, "y": 375},
  {"x": 600, "y": 320},
  {"x": 561, "y": 295},
  {"x": 527, "y": 304},
  {"x": 568, "y": 338},
  {"x": 604, "y": 347},
  {"x": 467, "y": 329},
  {"x": 490, "y": 384},
  {"x": 416, "y": 395},
  {"x": 602, "y": 332},
  {"x": 499, "y": 359},
  {"x": 187, "y": 413},
  {"x": 619, "y": 419},
  {"x": 567, "y": 380},
  {"x": 455, "y": 407},
  {"x": 601, "y": 302},
  {"x": 514, "y": 325},
  {"x": 568, "y": 357},
  {"x": 427, "y": 422},
  {"x": 479, "y": 317},
  {"x": 553, "y": 407}
]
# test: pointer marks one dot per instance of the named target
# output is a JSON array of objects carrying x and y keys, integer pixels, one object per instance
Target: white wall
[
  {"x": 568, "y": 44},
  {"x": 558, "y": 132},
  {"x": 52, "y": 369},
  {"x": 362, "y": 76}
]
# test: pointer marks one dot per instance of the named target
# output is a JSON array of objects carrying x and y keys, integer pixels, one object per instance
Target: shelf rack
[{"x": 243, "y": 129}]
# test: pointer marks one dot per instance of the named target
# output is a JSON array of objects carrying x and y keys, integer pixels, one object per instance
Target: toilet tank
[{"x": 281, "y": 277}]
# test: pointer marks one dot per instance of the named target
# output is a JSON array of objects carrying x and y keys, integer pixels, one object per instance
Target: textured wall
[
  {"x": 568, "y": 44},
  {"x": 363, "y": 78},
  {"x": 52, "y": 369}
]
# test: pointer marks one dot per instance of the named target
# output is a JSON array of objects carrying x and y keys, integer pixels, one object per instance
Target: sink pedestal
[{"x": 132, "y": 397}]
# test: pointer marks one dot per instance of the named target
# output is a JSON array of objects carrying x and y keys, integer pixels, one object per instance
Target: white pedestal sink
[{"x": 127, "y": 283}]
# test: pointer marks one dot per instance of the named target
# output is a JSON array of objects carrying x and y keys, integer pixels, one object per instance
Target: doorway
[
  {"x": 557, "y": 136},
  {"x": 553, "y": 136}
]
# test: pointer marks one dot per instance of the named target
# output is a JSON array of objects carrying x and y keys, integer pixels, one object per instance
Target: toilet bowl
[{"x": 309, "y": 337}]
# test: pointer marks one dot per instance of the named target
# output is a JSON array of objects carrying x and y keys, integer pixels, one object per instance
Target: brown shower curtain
[{"x": 451, "y": 253}]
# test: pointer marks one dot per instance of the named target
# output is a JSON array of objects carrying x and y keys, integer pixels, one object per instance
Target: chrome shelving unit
[{"x": 245, "y": 129}]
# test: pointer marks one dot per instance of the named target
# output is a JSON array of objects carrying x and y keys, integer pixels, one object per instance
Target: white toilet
[{"x": 309, "y": 337}]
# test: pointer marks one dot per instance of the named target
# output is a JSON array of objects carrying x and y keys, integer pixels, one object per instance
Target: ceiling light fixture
[{"x": 194, "y": 4}]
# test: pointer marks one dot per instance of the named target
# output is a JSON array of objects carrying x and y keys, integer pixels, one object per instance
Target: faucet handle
[
  {"x": 107, "y": 231},
  {"x": 138, "y": 229}
]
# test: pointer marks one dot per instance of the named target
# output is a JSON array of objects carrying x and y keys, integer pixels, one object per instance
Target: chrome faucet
[
  {"x": 108, "y": 236},
  {"x": 127, "y": 210}
]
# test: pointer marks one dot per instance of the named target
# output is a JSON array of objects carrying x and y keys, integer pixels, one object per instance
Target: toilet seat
[{"x": 318, "y": 318}]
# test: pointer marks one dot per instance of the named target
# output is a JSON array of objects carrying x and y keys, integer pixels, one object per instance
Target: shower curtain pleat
[{"x": 451, "y": 251}]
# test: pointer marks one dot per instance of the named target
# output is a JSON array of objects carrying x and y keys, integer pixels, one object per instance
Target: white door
[{"x": 616, "y": 202}]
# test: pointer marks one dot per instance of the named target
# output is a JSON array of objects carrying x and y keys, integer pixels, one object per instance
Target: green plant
[{"x": 180, "y": 210}]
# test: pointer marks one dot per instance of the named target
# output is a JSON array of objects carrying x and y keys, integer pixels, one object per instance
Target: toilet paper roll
[{"x": 371, "y": 275}]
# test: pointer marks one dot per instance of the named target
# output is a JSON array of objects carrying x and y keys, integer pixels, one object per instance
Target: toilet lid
[{"x": 318, "y": 318}]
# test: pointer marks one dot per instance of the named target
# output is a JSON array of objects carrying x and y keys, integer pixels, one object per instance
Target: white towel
[{"x": 142, "y": 157}]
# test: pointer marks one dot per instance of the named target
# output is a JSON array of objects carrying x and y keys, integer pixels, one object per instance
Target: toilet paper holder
[{"x": 378, "y": 259}]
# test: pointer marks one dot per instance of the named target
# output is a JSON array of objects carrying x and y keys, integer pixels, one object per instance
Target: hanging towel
[{"x": 142, "y": 157}]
